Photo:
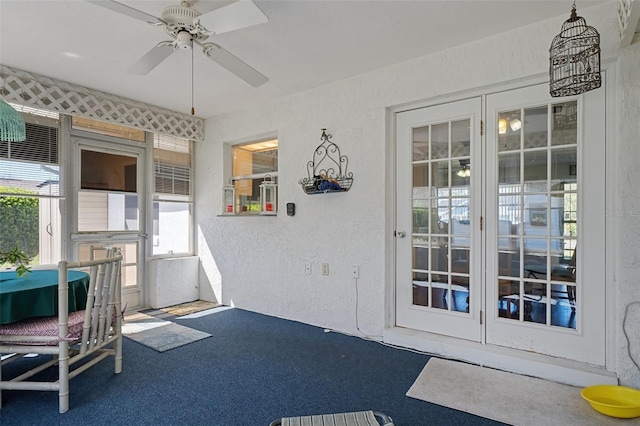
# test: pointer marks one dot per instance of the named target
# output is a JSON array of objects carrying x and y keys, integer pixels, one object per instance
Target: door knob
[{"x": 401, "y": 234}]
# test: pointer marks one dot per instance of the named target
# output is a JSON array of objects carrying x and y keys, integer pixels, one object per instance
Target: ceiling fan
[{"x": 188, "y": 26}]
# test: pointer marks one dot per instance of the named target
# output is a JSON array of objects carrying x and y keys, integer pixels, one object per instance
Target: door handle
[{"x": 400, "y": 234}]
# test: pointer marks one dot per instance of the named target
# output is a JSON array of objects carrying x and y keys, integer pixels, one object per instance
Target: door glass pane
[
  {"x": 421, "y": 257},
  {"x": 107, "y": 211},
  {"x": 420, "y": 219},
  {"x": 129, "y": 250},
  {"x": 508, "y": 132},
  {"x": 420, "y": 146},
  {"x": 535, "y": 171},
  {"x": 111, "y": 172},
  {"x": 460, "y": 176},
  {"x": 420, "y": 289},
  {"x": 564, "y": 167},
  {"x": 538, "y": 217},
  {"x": 508, "y": 299},
  {"x": 440, "y": 141},
  {"x": 420, "y": 180},
  {"x": 509, "y": 259},
  {"x": 440, "y": 291},
  {"x": 509, "y": 170},
  {"x": 535, "y": 258},
  {"x": 460, "y": 143},
  {"x": 535, "y": 215},
  {"x": 459, "y": 293},
  {"x": 563, "y": 313},
  {"x": 564, "y": 125},
  {"x": 441, "y": 215},
  {"x": 440, "y": 178},
  {"x": 535, "y": 302},
  {"x": 439, "y": 254},
  {"x": 535, "y": 131}
]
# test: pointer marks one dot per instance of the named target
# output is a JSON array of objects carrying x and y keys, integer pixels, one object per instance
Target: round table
[{"x": 37, "y": 294}]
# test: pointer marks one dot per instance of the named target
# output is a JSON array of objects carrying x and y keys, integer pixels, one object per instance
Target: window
[
  {"x": 172, "y": 201},
  {"x": 252, "y": 163},
  {"x": 29, "y": 189}
]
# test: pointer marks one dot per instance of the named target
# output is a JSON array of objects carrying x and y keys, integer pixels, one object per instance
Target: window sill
[
  {"x": 247, "y": 215},
  {"x": 170, "y": 256}
]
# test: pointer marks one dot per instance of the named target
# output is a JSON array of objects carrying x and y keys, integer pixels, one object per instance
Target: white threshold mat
[{"x": 506, "y": 397}]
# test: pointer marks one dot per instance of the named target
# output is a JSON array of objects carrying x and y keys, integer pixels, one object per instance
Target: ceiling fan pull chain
[{"x": 193, "y": 110}]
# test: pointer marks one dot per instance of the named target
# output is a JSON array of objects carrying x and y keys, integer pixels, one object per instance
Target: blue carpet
[{"x": 255, "y": 369}]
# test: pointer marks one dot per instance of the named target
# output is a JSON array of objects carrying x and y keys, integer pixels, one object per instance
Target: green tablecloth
[{"x": 37, "y": 295}]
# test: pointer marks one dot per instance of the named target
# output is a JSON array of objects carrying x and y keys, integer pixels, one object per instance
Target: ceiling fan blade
[
  {"x": 126, "y": 10},
  {"x": 152, "y": 58},
  {"x": 241, "y": 14},
  {"x": 234, "y": 64}
]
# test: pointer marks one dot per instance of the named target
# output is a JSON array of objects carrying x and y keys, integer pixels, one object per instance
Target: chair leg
[
  {"x": 118, "y": 355},
  {"x": 571, "y": 295},
  {"x": 63, "y": 378}
]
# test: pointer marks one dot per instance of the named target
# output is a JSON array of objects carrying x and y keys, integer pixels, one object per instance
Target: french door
[
  {"x": 108, "y": 188},
  {"x": 438, "y": 210},
  {"x": 499, "y": 237},
  {"x": 545, "y": 214}
]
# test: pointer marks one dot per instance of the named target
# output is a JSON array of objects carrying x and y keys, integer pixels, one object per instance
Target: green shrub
[{"x": 19, "y": 222}]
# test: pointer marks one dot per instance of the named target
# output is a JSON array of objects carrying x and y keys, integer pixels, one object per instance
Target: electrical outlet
[
  {"x": 325, "y": 269},
  {"x": 355, "y": 271},
  {"x": 307, "y": 268}
]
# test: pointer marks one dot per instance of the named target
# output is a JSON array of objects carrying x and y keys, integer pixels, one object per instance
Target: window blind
[
  {"x": 32, "y": 167},
  {"x": 172, "y": 167}
]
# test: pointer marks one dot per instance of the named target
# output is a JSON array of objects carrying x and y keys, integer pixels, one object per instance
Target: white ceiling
[{"x": 305, "y": 44}]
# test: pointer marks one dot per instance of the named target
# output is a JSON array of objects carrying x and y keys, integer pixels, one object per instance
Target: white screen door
[
  {"x": 438, "y": 211},
  {"x": 109, "y": 191}
]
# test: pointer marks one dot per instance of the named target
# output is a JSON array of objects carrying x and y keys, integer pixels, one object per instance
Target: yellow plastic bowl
[{"x": 614, "y": 401}]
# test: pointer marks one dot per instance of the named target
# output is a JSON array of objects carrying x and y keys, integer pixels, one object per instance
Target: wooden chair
[{"x": 95, "y": 332}]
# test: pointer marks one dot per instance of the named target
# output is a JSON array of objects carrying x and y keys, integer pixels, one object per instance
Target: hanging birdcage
[{"x": 574, "y": 62}]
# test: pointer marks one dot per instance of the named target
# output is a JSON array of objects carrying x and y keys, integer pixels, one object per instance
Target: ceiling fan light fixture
[
  {"x": 502, "y": 126},
  {"x": 465, "y": 169},
  {"x": 184, "y": 40}
]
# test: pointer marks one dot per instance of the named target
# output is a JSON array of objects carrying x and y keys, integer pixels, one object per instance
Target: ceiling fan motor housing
[{"x": 180, "y": 19}]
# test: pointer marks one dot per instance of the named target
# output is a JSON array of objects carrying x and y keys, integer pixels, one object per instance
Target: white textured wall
[
  {"x": 257, "y": 263},
  {"x": 173, "y": 281},
  {"x": 624, "y": 217}
]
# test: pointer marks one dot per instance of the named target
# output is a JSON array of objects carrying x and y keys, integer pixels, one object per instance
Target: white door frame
[{"x": 133, "y": 296}]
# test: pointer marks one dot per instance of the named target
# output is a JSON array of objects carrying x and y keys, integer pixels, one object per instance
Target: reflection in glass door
[
  {"x": 537, "y": 214},
  {"x": 438, "y": 180},
  {"x": 441, "y": 221}
]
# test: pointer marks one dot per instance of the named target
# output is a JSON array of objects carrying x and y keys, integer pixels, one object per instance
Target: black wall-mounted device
[{"x": 291, "y": 209}]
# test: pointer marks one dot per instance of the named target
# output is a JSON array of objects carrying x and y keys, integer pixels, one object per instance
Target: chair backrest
[{"x": 102, "y": 312}]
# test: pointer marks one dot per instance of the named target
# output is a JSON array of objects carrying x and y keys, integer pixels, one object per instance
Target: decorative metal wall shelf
[{"x": 327, "y": 172}]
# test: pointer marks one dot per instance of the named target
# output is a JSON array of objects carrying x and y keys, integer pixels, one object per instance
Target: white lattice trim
[
  {"x": 66, "y": 98},
  {"x": 628, "y": 16}
]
